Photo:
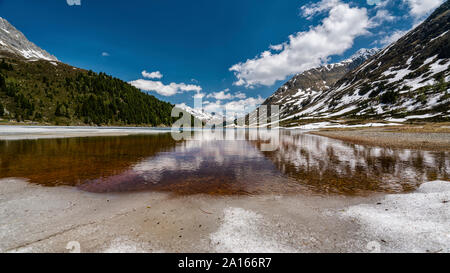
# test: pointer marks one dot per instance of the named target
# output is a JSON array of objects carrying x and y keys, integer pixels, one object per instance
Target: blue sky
[{"x": 244, "y": 48}]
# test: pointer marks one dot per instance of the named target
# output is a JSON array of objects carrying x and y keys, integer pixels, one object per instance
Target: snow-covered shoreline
[
  {"x": 155, "y": 222},
  {"x": 330, "y": 125},
  {"x": 14, "y": 132},
  {"x": 410, "y": 222},
  {"x": 18, "y": 132}
]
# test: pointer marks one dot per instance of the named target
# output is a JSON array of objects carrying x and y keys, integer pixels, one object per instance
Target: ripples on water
[{"x": 301, "y": 163}]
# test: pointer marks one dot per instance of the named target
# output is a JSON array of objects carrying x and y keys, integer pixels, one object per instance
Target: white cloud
[
  {"x": 182, "y": 105},
  {"x": 221, "y": 95},
  {"x": 381, "y": 16},
  {"x": 73, "y": 2},
  {"x": 199, "y": 95},
  {"x": 164, "y": 90},
  {"x": 277, "y": 47},
  {"x": 393, "y": 37},
  {"x": 105, "y": 54},
  {"x": 224, "y": 95},
  {"x": 310, "y": 10},
  {"x": 152, "y": 75},
  {"x": 376, "y": 2},
  {"x": 308, "y": 49},
  {"x": 239, "y": 105},
  {"x": 397, "y": 34},
  {"x": 240, "y": 95},
  {"x": 420, "y": 8},
  {"x": 230, "y": 108},
  {"x": 233, "y": 108}
]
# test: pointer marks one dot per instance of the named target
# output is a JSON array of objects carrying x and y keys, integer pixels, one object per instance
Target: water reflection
[
  {"x": 72, "y": 161},
  {"x": 207, "y": 164},
  {"x": 329, "y": 165}
]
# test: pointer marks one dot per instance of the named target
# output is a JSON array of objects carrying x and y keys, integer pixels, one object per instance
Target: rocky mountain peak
[{"x": 14, "y": 42}]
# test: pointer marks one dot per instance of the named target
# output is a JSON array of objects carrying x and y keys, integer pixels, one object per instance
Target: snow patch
[
  {"x": 343, "y": 111},
  {"x": 396, "y": 119},
  {"x": 440, "y": 36},
  {"x": 299, "y": 92},
  {"x": 422, "y": 116},
  {"x": 246, "y": 231},
  {"x": 326, "y": 124},
  {"x": 124, "y": 245},
  {"x": 8, "y": 132},
  {"x": 412, "y": 222},
  {"x": 437, "y": 68},
  {"x": 409, "y": 61},
  {"x": 429, "y": 60},
  {"x": 398, "y": 75}
]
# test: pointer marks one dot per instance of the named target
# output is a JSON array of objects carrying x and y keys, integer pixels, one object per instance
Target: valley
[{"x": 357, "y": 159}]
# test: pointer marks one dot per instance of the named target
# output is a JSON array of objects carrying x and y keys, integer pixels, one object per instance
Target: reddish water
[{"x": 301, "y": 163}]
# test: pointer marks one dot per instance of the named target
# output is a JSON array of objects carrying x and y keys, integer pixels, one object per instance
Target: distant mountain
[
  {"x": 406, "y": 80},
  {"x": 34, "y": 86},
  {"x": 202, "y": 115},
  {"x": 14, "y": 42},
  {"x": 303, "y": 88}
]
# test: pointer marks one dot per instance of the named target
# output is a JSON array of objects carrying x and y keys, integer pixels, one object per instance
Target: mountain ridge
[
  {"x": 409, "y": 66},
  {"x": 304, "y": 87},
  {"x": 13, "y": 41},
  {"x": 406, "y": 80}
]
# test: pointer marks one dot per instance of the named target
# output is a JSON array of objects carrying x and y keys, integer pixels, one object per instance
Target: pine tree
[{"x": 2, "y": 82}]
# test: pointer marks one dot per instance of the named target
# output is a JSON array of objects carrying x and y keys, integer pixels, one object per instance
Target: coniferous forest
[{"x": 56, "y": 93}]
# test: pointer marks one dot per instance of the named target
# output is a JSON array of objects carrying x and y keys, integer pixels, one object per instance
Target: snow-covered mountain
[
  {"x": 201, "y": 114},
  {"x": 14, "y": 42},
  {"x": 305, "y": 87},
  {"x": 406, "y": 80}
]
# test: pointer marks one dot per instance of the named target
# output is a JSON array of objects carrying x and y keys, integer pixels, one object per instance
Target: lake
[{"x": 236, "y": 165}]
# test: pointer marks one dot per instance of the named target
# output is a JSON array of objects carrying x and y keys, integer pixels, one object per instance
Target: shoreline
[
  {"x": 402, "y": 138},
  {"x": 159, "y": 222},
  {"x": 9, "y": 132},
  {"x": 432, "y": 137}
]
